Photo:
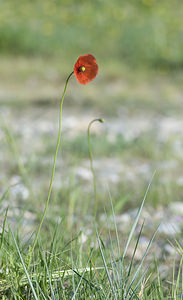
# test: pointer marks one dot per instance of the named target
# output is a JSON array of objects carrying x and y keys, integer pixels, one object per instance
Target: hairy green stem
[
  {"x": 54, "y": 164},
  {"x": 91, "y": 165}
]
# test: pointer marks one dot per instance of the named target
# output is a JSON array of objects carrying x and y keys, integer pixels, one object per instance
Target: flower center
[{"x": 82, "y": 69}]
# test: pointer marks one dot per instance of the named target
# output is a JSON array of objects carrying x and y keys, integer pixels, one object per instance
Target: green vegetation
[
  {"x": 139, "y": 48},
  {"x": 137, "y": 32},
  {"x": 70, "y": 268}
]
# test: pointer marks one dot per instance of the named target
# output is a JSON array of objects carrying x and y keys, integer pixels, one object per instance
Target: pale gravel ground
[{"x": 31, "y": 125}]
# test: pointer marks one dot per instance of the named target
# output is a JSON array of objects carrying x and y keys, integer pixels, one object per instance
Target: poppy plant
[{"x": 86, "y": 68}]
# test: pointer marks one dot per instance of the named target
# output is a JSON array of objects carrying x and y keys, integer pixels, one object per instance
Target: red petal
[{"x": 91, "y": 68}]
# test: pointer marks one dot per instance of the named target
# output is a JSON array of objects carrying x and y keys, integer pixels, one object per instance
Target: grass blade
[
  {"x": 105, "y": 265},
  {"x": 82, "y": 276},
  {"x": 3, "y": 230},
  {"x": 137, "y": 218},
  {"x": 142, "y": 260},
  {"x": 24, "y": 267},
  {"x": 48, "y": 275},
  {"x": 135, "y": 249}
]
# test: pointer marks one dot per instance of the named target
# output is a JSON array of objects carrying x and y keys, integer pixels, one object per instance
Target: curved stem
[
  {"x": 54, "y": 163},
  {"x": 91, "y": 164}
]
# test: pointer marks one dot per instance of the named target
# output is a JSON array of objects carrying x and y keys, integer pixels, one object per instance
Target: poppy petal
[{"x": 86, "y": 68}]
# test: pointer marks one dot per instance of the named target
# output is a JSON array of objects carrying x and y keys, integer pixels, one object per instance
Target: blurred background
[{"x": 138, "y": 91}]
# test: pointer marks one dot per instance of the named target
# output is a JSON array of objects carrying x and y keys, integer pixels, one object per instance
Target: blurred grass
[
  {"x": 36, "y": 80},
  {"x": 137, "y": 32}
]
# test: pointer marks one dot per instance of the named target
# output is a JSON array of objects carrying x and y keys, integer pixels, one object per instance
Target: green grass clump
[
  {"x": 76, "y": 270},
  {"x": 67, "y": 267}
]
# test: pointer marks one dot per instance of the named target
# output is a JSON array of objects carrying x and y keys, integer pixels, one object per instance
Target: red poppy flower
[{"x": 85, "y": 68}]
